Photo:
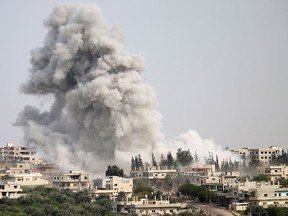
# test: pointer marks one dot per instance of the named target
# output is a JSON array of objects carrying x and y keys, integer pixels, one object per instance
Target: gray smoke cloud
[{"x": 102, "y": 110}]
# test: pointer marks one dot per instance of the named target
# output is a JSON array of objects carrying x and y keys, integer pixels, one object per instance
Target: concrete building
[
  {"x": 146, "y": 207},
  {"x": 73, "y": 180},
  {"x": 264, "y": 155},
  {"x": 112, "y": 185},
  {"x": 207, "y": 176},
  {"x": 28, "y": 179},
  {"x": 10, "y": 152},
  {"x": 203, "y": 170},
  {"x": 242, "y": 152},
  {"x": 269, "y": 195},
  {"x": 153, "y": 172},
  {"x": 10, "y": 190},
  {"x": 264, "y": 194},
  {"x": 273, "y": 172}
]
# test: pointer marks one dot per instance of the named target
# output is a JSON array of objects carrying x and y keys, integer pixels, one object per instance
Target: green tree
[
  {"x": 153, "y": 160},
  {"x": 163, "y": 161},
  {"x": 114, "y": 171},
  {"x": 255, "y": 210},
  {"x": 254, "y": 161},
  {"x": 121, "y": 196},
  {"x": 260, "y": 177},
  {"x": 170, "y": 160},
  {"x": 133, "y": 166},
  {"x": 184, "y": 157}
]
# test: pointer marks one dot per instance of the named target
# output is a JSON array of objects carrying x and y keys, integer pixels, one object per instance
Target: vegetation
[
  {"x": 114, "y": 171},
  {"x": 197, "y": 192},
  {"x": 260, "y": 177},
  {"x": 41, "y": 201}
]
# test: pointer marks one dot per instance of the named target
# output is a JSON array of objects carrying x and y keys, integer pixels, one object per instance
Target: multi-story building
[
  {"x": 206, "y": 169},
  {"x": 10, "y": 190},
  {"x": 269, "y": 195},
  {"x": 238, "y": 196},
  {"x": 153, "y": 172},
  {"x": 73, "y": 180},
  {"x": 28, "y": 179},
  {"x": 146, "y": 207},
  {"x": 112, "y": 185},
  {"x": 264, "y": 155},
  {"x": 273, "y": 172},
  {"x": 10, "y": 152},
  {"x": 242, "y": 152}
]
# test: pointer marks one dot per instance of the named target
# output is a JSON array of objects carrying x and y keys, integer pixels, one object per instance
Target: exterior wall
[
  {"x": 152, "y": 172},
  {"x": 264, "y": 155},
  {"x": 270, "y": 196},
  {"x": 29, "y": 179},
  {"x": 74, "y": 180},
  {"x": 10, "y": 152},
  {"x": 273, "y": 172},
  {"x": 207, "y": 169},
  {"x": 113, "y": 185},
  {"x": 242, "y": 152},
  {"x": 10, "y": 190},
  {"x": 146, "y": 207}
]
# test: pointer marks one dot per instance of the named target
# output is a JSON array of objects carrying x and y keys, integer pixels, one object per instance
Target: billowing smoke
[{"x": 102, "y": 110}]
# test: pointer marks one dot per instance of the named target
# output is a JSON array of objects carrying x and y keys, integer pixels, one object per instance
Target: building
[
  {"x": 241, "y": 194},
  {"x": 28, "y": 179},
  {"x": 10, "y": 152},
  {"x": 242, "y": 152},
  {"x": 273, "y": 172},
  {"x": 264, "y": 155},
  {"x": 206, "y": 169},
  {"x": 112, "y": 185},
  {"x": 73, "y": 180},
  {"x": 146, "y": 207},
  {"x": 269, "y": 195},
  {"x": 10, "y": 190},
  {"x": 153, "y": 172}
]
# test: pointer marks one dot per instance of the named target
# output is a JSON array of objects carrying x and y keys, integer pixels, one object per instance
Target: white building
[
  {"x": 146, "y": 207},
  {"x": 264, "y": 155},
  {"x": 28, "y": 179},
  {"x": 11, "y": 152},
  {"x": 73, "y": 180},
  {"x": 153, "y": 172},
  {"x": 10, "y": 190},
  {"x": 112, "y": 185},
  {"x": 273, "y": 172}
]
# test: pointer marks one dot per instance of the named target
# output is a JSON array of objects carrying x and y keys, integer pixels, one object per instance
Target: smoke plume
[{"x": 102, "y": 110}]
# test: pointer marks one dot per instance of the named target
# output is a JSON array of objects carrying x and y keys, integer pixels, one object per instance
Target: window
[{"x": 265, "y": 195}]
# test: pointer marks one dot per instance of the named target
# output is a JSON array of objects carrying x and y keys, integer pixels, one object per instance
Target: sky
[{"x": 217, "y": 67}]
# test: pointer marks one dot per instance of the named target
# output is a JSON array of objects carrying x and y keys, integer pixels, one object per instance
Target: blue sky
[{"x": 218, "y": 67}]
